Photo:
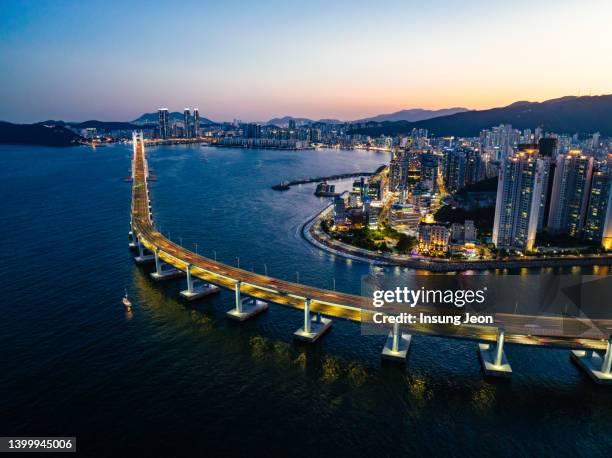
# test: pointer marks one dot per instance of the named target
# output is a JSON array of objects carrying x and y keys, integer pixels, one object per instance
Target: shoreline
[{"x": 312, "y": 233}]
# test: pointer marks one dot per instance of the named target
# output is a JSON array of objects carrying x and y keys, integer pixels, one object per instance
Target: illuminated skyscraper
[
  {"x": 164, "y": 123},
  {"x": 597, "y": 210},
  {"x": 196, "y": 122},
  {"x": 519, "y": 199},
  {"x": 570, "y": 193},
  {"x": 187, "y": 123}
]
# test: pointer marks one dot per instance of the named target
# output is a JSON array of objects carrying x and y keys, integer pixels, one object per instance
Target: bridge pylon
[
  {"x": 312, "y": 330},
  {"x": 247, "y": 307},
  {"x": 598, "y": 367},
  {"x": 493, "y": 359},
  {"x": 397, "y": 345}
]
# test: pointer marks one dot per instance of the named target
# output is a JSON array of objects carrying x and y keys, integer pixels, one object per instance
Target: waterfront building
[
  {"x": 404, "y": 217},
  {"x": 519, "y": 199},
  {"x": 433, "y": 237},
  {"x": 470, "y": 232},
  {"x": 187, "y": 123},
  {"x": 570, "y": 193},
  {"x": 597, "y": 210},
  {"x": 457, "y": 233},
  {"x": 251, "y": 130},
  {"x": 164, "y": 123},
  {"x": 196, "y": 123},
  {"x": 340, "y": 213}
]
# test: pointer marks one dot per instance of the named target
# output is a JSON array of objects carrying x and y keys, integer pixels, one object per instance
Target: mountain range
[
  {"x": 411, "y": 115},
  {"x": 569, "y": 114}
]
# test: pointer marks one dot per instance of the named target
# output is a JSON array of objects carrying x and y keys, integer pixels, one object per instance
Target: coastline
[{"x": 312, "y": 233}]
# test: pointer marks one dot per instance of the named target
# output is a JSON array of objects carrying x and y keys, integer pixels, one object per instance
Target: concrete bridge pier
[
  {"x": 247, "y": 307},
  {"x": 162, "y": 273},
  {"x": 598, "y": 367},
  {"x": 143, "y": 257},
  {"x": 312, "y": 330},
  {"x": 493, "y": 359},
  {"x": 197, "y": 289},
  {"x": 397, "y": 345},
  {"x": 132, "y": 243}
]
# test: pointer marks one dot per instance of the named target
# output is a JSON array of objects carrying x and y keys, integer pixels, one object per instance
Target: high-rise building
[
  {"x": 187, "y": 123},
  {"x": 519, "y": 199},
  {"x": 570, "y": 193},
  {"x": 196, "y": 122},
  {"x": 251, "y": 130},
  {"x": 429, "y": 170},
  {"x": 164, "y": 123},
  {"x": 597, "y": 209},
  {"x": 398, "y": 171}
]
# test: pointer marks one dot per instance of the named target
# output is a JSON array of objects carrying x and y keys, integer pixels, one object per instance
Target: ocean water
[{"x": 176, "y": 379}]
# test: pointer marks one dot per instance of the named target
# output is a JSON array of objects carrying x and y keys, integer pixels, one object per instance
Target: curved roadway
[{"x": 551, "y": 331}]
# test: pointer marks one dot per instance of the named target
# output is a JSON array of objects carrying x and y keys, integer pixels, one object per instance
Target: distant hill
[
  {"x": 284, "y": 121},
  {"x": 413, "y": 115},
  {"x": 563, "y": 115},
  {"x": 175, "y": 116},
  {"x": 37, "y": 134}
]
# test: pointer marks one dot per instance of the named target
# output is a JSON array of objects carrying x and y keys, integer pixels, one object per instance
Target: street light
[
  {"x": 238, "y": 261},
  {"x": 196, "y": 247},
  {"x": 334, "y": 283},
  {"x": 298, "y": 276},
  {"x": 266, "y": 269},
  {"x": 215, "y": 253}
]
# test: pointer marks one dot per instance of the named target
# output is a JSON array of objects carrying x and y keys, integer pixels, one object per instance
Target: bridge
[{"x": 253, "y": 292}]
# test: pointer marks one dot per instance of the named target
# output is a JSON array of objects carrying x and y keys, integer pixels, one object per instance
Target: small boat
[{"x": 126, "y": 300}]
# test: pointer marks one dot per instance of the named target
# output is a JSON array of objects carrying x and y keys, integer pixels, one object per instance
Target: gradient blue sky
[{"x": 253, "y": 60}]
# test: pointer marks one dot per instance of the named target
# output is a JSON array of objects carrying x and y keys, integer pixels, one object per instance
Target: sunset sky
[{"x": 255, "y": 60}]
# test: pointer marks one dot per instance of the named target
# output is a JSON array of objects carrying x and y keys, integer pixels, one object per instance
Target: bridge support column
[
  {"x": 493, "y": 359},
  {"x": 247, "y": 307},
  {"x": 132, "y": 242},
  {"x": 598, "y": 367},
  {"x": 238, "y": 299},
  {"x": 312, "y": 330},
  {"x": 142, "y": 258},
  {"x": 157, "y": 263},
  {"x": 197, "y": 289},
  {"x": 164, "y": 274},
  {"x": 397, "y": 345}
]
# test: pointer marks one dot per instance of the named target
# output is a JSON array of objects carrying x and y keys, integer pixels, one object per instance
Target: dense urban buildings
[{"x": 506, "y": 190}]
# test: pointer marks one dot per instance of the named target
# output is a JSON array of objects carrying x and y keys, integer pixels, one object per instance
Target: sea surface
[{"x": 175, "y": 379}]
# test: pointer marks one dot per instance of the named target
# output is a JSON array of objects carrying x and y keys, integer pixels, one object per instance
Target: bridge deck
[{"x": 553, "y": 331}]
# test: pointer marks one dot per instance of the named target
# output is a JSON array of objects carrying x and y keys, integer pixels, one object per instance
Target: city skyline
[{"x": 112, "y": 61}]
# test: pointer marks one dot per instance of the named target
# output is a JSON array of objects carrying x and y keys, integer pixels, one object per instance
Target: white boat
[{"x": 126, "y": 300}]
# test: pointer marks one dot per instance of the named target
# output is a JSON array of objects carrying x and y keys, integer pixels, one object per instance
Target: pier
[{"x": 284, "y": 185}]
